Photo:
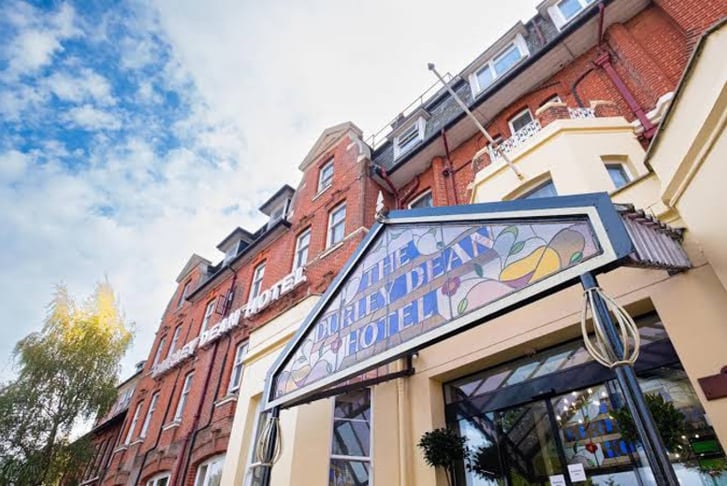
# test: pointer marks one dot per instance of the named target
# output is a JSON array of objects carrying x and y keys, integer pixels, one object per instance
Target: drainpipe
[
  {"x": 411, "y": 190},
  {"x": 576, "y": 82},
  {"x": 381, "y": 172},
  {"x": 183, "y": 462},
  {"x": 604, "y": 62},
  {"x": 448, "y": 171},
  {"x": 164, "y": 417}
]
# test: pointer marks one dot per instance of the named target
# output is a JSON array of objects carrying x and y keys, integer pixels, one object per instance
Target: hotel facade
[{"x": 624, "y": 97}]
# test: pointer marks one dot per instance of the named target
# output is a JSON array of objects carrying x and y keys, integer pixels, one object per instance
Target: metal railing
[
  {"x": 520, "y": 137},
  {"x": 377, "y": 139}
]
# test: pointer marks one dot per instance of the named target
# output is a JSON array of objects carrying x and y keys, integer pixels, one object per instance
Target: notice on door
[
  {"x": 557, "y": 480},
  {"x": 576, "y": 472}
]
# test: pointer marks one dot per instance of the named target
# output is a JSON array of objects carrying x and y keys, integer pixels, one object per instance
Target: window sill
[
  {"x": 171, "y": 425},
  {"x": 120, "y": 449},
  {"x": 321, "y": 192},
  {"x": 333, "y": 248},
  {"x": 137, "y": 441},
  {"x": 229, "y": 398}
]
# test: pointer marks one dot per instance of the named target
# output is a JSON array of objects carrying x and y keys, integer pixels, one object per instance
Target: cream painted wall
[
  {"x": 692, "y": 306},
  {"x": 570, "y": 151},
  {"x": 690, "y": 155},
  {"x": 265, "y": 344}
]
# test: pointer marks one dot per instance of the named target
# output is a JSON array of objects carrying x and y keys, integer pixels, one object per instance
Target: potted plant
[{"x": 444, "y": 448}]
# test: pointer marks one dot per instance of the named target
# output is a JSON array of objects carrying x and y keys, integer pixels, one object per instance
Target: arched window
[
  {"x": 161, "y": 479},
  {"x": 209, "y": 473}
]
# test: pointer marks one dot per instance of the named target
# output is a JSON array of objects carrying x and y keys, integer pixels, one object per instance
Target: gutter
[
  {"x": 691, "y": 64},
  {"x": 512, "y": 74}
]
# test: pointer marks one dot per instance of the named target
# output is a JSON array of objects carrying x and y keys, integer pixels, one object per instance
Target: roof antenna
[{"x": 477, "y": 123}]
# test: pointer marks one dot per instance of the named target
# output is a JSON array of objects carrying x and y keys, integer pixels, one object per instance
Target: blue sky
[{"x": 133, "y": 134}]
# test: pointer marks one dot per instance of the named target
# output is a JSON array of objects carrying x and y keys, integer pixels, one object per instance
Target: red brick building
[{"x": 574, "y": 58}]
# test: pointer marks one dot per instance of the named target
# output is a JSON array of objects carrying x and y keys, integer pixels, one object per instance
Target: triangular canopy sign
[{"x": 423, "y": 275}]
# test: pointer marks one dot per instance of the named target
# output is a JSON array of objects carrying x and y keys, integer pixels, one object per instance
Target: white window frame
[
  {"x": 332, "y": 225},
  {"x": 421, "y": 196},
  {"x": 624, "y": 168},
  {"x": 231, "y": 252},
  {"x": 238, "y": 368},
  {"x": 299, "y": 261},
  {"x": 370, "y": 457},
  {"x": 518, "y": 115},
  {"x": 134, "y": 421},
  {"x": 556, "y": 14},
  {"x": 183, "y": 295},
  {"x": 252, "y": 461},
  {"x": 257, "y": 280},
  {"x": 175, "y": 339},
  {"x": 324, "y": 184},
  {"x": 198, "y": 481},
  {"x": 160, "y": 348},
  {"x": 149, "y": 414},
  {"x": 536, "y": 187},
  {"x": 416, "y": 127},
  {"x": 154, "y": 480},
  {"x": 208, "y": 311},
  {"x": 519, "y": 43},
  {"x": 183, "y": 396}
]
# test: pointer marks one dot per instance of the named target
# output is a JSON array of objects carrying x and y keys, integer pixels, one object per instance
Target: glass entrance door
[{"x": 530, "y": 442}]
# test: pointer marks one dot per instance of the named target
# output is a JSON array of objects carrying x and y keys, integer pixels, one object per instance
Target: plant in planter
[
  {"x": 444, "y": 448},
  {"x": 485, "y": 462},
  {"x": 667, "y": 418}
]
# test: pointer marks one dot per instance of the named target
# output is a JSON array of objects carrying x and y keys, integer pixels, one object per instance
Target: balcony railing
[{"x": 520, "y": 137}]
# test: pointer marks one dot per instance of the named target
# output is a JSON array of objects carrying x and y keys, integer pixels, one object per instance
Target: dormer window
[
  {"x": 563, "y": 11},
  {"x": 280, "y": 212},
  {"x": 325, "y": 175},
  {"x": 498, "y": 65},
  {"x": 232, "y": 252},
  {"x": 408, "y": 138}
]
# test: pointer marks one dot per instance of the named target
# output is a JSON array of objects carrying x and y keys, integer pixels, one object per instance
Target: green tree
[{"x": 66, "y": 373}]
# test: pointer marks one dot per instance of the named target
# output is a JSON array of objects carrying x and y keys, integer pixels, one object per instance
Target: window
[
  {"x": 618, "y": 175},
  {"x": 209, "y": 310},
  {"x": 132, "y": 427},
  {"x": 301, "y": 249},
  {"x": 499, "y": 65},
  {"x": 161, "y": 479},
  {"x": 160, "y": 348},
  {"x": 209, "y": 473},
  {"x": 520, "y": 121},
  {"x": 184, "y": 293},
  {"x": 570, "y": 8},
  {"x": 183, "y": 397},
  {"x": 149, "y": 413},
  {"x": 325, "y": 175},
  {"x": 564, "y": 11},
  {"x": 254, "y": 474},
  {"x": 351, "y": 449},
  {"x": 546, "y": 189},
  {"x": 336, "y": 225},
  {"x": 409, "y": 138},
  {"x": 423, "y": 200},
  {"x": 175, "y": 340},
  {"x": 237, "y": 368},
  {"x": 232, "y": 252},
  {"x": 257, "y": 280}
]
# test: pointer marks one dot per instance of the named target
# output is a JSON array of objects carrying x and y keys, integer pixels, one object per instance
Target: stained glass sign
[{"x": 419, "y": 278}]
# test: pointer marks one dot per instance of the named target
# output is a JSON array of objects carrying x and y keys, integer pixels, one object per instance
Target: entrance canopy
[{"x": 423, "y": 275}]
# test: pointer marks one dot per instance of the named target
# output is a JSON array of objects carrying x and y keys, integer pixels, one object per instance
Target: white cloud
[
  {"x": 259, "y": 82},
  {"x": 87, "y": 85},
  {"x": 40, "y": 38},
  {"x": 91, "y": 118}
]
